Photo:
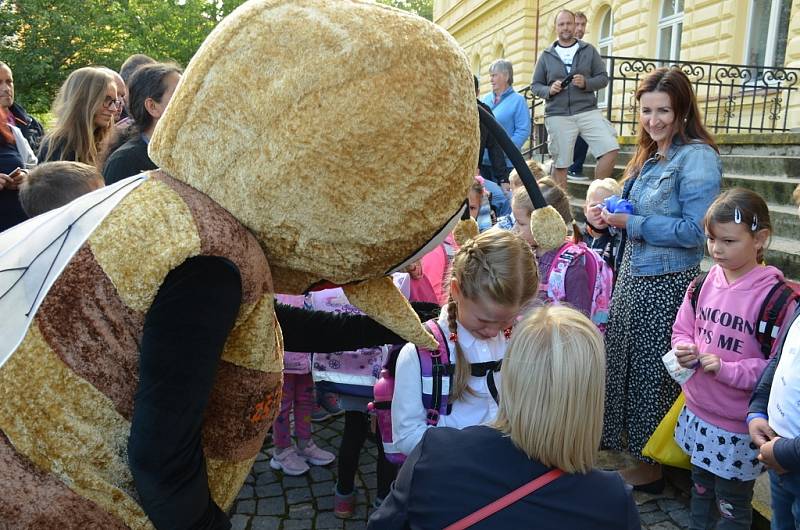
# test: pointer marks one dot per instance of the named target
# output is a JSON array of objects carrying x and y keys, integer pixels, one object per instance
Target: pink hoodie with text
[{"x": 724, "y": 324}]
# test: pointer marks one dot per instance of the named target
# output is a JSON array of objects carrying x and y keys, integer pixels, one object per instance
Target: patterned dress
[{"x": 639, "y": 391}]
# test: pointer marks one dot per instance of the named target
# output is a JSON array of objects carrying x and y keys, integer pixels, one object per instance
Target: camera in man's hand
[{"x": 566, "y": 81}]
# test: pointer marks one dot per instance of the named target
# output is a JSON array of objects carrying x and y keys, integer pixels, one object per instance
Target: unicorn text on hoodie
[{"x": 724, "y": 324}]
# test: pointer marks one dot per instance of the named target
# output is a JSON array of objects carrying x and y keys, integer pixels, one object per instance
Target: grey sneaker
[
  {"x": 330, "y": 402},
  {"x": 288, "y": 461},
  {"x": 319, "y": 414},
  {"x": 314, "y": 455}
]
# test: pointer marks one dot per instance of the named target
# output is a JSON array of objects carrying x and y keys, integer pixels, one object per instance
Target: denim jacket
[{"x": 670, "y": 198}]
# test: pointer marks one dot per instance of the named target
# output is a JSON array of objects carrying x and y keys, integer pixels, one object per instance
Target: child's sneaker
[
  {"x": 344, "y": 506},
  {"x": 319, "y": 414},
  {"x": 288, "y": 461},
  {"x": 330, "y": 402},
  {"x": 314, "y": 455}
]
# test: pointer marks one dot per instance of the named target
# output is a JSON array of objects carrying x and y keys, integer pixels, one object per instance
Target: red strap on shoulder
[{"x": 507, "y": 500}]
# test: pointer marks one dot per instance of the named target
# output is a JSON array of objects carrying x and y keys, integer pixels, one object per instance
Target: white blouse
[{"x": 409, "y": 416}]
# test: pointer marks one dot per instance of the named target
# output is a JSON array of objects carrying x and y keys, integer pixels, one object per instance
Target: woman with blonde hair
[
  {"x": 548, "y": 426},
  {"x": 84, "y": 110}
]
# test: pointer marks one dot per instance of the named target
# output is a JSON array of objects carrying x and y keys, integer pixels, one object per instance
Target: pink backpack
[
  {"x": 601, "y": 279},
  {"x": 436, "y": 369}
]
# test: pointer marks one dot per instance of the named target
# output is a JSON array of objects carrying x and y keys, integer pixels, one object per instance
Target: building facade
[{"x": 761, "y": 34}]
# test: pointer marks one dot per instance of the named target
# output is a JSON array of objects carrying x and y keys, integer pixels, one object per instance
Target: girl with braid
[{"x": 493, "y": 277}]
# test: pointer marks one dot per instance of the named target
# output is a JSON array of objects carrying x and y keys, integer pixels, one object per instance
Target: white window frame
[
  {"x": 772, "y": 40},
  {"x": 606, "y": 41},
  {"x": 672, "y": 21}
]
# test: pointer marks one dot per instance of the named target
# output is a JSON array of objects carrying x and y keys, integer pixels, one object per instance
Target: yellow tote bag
[{"x": 661, "y": 446}]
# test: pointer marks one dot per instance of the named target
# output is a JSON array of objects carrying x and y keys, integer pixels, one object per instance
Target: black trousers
[{"x": 356, "y": 430}]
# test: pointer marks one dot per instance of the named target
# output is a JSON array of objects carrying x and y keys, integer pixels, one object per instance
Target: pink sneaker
[
  {"x": 288, "y": 461},
  {"x": 344, "y": 506},
  {"x": 314, "y": 455}
]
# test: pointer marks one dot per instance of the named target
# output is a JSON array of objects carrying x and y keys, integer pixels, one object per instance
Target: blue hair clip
[
  {"x": 754, "y": 226},
  {"x": 737, "y": 215}
]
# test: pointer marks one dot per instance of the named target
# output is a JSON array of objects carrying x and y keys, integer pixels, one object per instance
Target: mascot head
[{"x": 343, "y": 134}]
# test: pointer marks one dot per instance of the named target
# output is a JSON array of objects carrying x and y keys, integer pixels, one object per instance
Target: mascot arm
[
  {"x": 307, "y": 330},
  {"x": 184, "y": 334}
]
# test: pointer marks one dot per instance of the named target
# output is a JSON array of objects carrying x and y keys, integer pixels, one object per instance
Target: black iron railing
[
  {"x": 732, "y": 98},
  {"x": 538, "y": 138}
]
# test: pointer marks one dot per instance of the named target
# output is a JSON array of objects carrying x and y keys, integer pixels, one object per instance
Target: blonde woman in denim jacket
[{"x": 672, "y": 179}]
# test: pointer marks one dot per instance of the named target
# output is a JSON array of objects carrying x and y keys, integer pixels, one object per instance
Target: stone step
[
  {"x": 767, "y": 166},
  {"x": 736, "y": 164},
  {"x": 785, "y": 220},
  {"x": 784, "y": 253},
  {"x": 774, "y": 189}
]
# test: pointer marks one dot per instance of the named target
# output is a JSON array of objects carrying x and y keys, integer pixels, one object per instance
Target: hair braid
[
  {"x": 495, "y": 266},
  {"x": 477, "y": 255},
  {"x": 462, "y": 370}
]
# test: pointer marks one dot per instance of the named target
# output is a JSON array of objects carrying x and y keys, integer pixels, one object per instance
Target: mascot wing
[{"x": 33, "y": 255}]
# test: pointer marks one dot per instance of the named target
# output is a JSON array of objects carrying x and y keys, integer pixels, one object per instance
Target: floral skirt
[
  {"x": 730, "y": 455},
  {"x": 639, "y": 391}
]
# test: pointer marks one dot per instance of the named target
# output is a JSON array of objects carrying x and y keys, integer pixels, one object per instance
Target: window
[
  {"x": 499, "y": 52},
  {"x": 670, "y": 27},
  {"x": 604, "y": 46},
  {"x": 769, "y": 29}
]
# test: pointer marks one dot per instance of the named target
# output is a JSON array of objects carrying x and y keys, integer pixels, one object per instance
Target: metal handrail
[{"x": 732, "y": 98}]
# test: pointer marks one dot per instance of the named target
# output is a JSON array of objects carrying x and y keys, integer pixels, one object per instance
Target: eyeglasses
[{"x": 111, "y": 101}]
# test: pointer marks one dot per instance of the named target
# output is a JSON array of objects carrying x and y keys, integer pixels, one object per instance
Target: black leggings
[{"x": 356, "y": 429}]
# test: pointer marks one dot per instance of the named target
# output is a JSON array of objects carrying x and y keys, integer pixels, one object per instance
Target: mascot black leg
[{"x": 184, "y": 334}]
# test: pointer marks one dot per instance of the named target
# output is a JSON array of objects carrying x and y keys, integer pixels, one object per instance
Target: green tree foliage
[
  {"x": 423, "y": 8},
  {"x": 45, "y": 40}
]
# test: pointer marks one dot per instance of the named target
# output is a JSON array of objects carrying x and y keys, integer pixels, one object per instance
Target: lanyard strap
[{"x": 507, "y": 500}]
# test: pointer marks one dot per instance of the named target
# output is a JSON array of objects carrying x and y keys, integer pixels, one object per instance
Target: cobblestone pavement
[{"x": 271, "y": 501}]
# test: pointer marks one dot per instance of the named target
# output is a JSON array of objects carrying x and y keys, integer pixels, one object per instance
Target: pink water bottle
[{"x": 382, "y": 408}]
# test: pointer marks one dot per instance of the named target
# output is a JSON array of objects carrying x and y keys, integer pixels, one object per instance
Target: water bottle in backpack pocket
[{"x": 436, "y": 371}]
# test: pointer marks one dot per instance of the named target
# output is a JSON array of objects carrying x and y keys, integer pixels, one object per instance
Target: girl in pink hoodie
[{"x": 717, "y": 339}]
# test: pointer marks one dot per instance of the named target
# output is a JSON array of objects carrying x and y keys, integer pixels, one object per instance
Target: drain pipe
[{"x": 536, "y": 42}]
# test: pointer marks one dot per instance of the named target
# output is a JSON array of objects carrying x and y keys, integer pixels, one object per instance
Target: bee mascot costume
[{"x": 309, "y": 143}]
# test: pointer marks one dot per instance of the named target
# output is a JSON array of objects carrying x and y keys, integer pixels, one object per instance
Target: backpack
[
  {"x": 350, "y": 373},
  {"x": 770, "y": 315},
  {"x": 601, "y": 279},
  {"x": 437, "y": 372}
]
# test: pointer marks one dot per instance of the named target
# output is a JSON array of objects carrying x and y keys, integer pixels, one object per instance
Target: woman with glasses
[{"x": 84, "y": 110}]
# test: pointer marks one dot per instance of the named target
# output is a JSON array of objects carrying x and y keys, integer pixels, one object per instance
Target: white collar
[{"x": 465, "y": 338}]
